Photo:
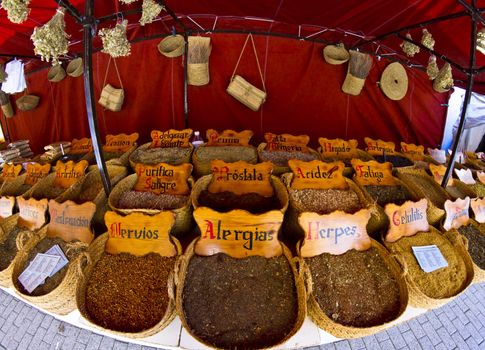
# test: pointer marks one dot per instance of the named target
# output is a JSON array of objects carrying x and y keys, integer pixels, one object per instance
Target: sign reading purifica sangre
[
  {"x": 228, "y": 138},
  {"x": 171, "y": 138},
  {"x": 338, "y": 147},
  {"x": 373, "y": 173},
  {"x": 379, "y": 147},
  {"x": 407, "y": 219},
  {"x": 317, "y": 175},
  {"x": 120, "y": 143},
  {"x": 35, "y": 172},
  {"x": 286, "y": 142},
  {"x": 68, "y": 173},
  {"x": 163, "y": 178},
  {"x": 71, "y": 221},
  {"x": 31, "y": 213}
]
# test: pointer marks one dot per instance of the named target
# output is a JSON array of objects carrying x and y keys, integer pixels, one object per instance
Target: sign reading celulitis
[
  {"x": 171, "y": 138},
  {"x": 317, "y": 175},
  {"x": 334, "y": 233},
  {"x": 372, "y": 173},
  {"x": 338, "y": 147},
  {"x": 238, "y": 233},
  {"x": 31, "y": 213},
  {"x": 407, "y": 219},
  {"x": 412, "y": 151},
  {"x": 478, "y": 207},
  {"x": 120, "y": 143},
  {"x": 71, "y": 221},
  {"x": 6, "y": 206},
  {"x": 456, "y": 213},
  {"x": 286, "y": 142},
  {"x": 163, "y": 178},
  {"x": 69, "y": 173},
  {"x": 241, "y": 178},
  {"x": 379, "y": 147},
  {"x": 438, "y": 172},
  {"x": 11, "y": 171},
  {"x": 140, "y": 234},
  {"x": 81, "y": 146},
  {"x": 228, "y": 138},
  {"x": 35, "y": 172}
]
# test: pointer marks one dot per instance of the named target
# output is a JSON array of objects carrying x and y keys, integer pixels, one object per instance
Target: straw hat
[
  {"x": 56, "y": 74},
  {"x": 394, "y": 81},
  {"x": 27, "y": 102},
  {"x": 75, "y": 67},
  {"x": 335, "y": 54},
  {"x": 172, "y": 46}
]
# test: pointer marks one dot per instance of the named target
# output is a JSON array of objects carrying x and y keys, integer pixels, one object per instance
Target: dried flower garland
[
  {"x": 432, "y": 68},
  {"x": 127, "y": 1},
  {"x": 150, "y": 10},
  {"x": 427, "y": 39},
  {"x": 115, "y": 42},
  {"x": 481, "y": 40},
  {"x": 17, "y": 10},
  {"x": 50, "y": 40},
  {"x": 3, "y": 74},
  {"x": 444, "y": 81},
  {"x": 409, "y": 48}
]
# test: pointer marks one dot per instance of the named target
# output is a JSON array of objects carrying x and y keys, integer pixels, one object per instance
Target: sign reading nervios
[{"x": 407, "y": 219}]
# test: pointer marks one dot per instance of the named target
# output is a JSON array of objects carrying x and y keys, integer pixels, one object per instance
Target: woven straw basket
[
  {"x": 476, "y": 190},
  {"x": 135, "y": 156},
  {"x": 172, "y": 46},
  {"x": 341, "y": 331},
  {"x": 348, "y": 171},
  {"x": 75, "y": 67},
  {"x": 96, "y": 252},
  {"x": 460, "y": 190},
  {"x": 56, "y": 74},
  {"x": 12, "y": 188},
  {"x": 7, "y": 110},
  {"x": 198, "y": 74},
  {"x": 183, "y": 265},
  {"x": 41, "y": 188},
  {"x": 183, "y": 216},
  {"x": 335, "y": 54},
  {"x": 122, "y": 160},
  {"x": 61, "y": 300},
  {"x": 278, "y": 170},
  {"x": 27, "y": 102}
]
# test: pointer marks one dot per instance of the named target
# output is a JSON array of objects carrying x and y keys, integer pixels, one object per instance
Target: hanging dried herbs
[
  {"x": 17, "y": 10},
  {"x": 432, "y": 68},
  {"x": 127, "y": 1},
  {"x": 150, "y": 10},
  {"x": 427, "y": 39},
  {"x": 3, "y": 74},
  {"x": 409, "y": 48},
  {"x": 115, "y": 42}
]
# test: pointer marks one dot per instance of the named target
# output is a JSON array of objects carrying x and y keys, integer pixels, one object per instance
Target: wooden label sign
[
  {"x": 31, "y": 213},
  {"x": 68, "y": 173},
  {"x": 171, "y": 138},
  {"x": 140, "y": 234},
  {"x": 11, "y": 171},
  {"x": 379, "y": 147},
  {"x": 238, "y": 233},
  {"x": 228, "y": 138},
  {"x": 71, "y": 221},
  {"x": 334, "y": 233},
  {"x": 81, "y": 146},
  {"x": 478, "y": 207},
  {"x": 338, "y": 147},
  {"x": 286, "y": 142},
  {"x": 317, "y": 174},
  {"x": 456, "y": 213},
  {"x": 241, "y": 177},
  {"x": 465, "y": 176},
  {"x": 438, "y": 155},
  {"x": 412, "y": 151},
  {"x": 481, "y": 176},
  {"x": 120, "y": 143},
  {"x": 372, "y": 173},
  {"x": 163, "y": 178},
  {"x": 407, "y": 219},
  {"x": 35, "y": 172},
  {"x": 6, "y": 206},
  {"x": 438, "y": 172}
]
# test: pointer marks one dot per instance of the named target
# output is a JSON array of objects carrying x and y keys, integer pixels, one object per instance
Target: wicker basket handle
[
  {"x": 83, "y": 261},
  {"x": 176, "y": 270},
  {"x": 401, "y": 262},
  {"x": 22, "y": 238},
  {"x": 171, "y": 285},
  {"x": 117, "y": 72},
  {"x": 250, "y": 36},
  {"x": 303, "y": 274}
]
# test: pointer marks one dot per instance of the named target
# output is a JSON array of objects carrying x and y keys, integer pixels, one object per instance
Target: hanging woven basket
[
  {"x": 172, "y": 46},
  {"x": 56, "y": 74}
]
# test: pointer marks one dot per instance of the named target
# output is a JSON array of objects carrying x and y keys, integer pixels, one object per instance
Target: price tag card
[
  {"x": 228, "y": 138},
  {"x": 438, "y": 172},
  {"x": 478, "y": 207},
  {"x": 372, "y": 173},
  {"x": 81, "y": 146},
  {"x": 412, "y": 151},
  {"x": 334, "y": 233},
  {"x": 11, "y": 171},
  {"x": 429, "y": 258},
  {"x": 286, "y": 142},
  {"x": 438, "y": 155},
  {"x": 35, "y": 172},
  {"x": 481, "y": 176},
  {"x": 338, "y": 147},
  {"x": 163, "y": 178},
  {"x": 120, "y": 143},
  {"x": 140, "y": 234},
  {"x": 68, "y": 173},
  {"x": 407, "y": 219},
  {"x": 38, "y": 270},
  {"x": 6, "y": 206},
  {"x": 238, "y": 233},
  {"x": 63, "y": 260},
  {"x": 71, "y": 221},
  {"x": 318, "y": 175},
  {"x": 31, "y": 213},
  {"x": 456, "y": 213},
  {"x": 379, "y": 147},
  {"x": 465, "y": 176},
  {"x": 171, "y": 138}
]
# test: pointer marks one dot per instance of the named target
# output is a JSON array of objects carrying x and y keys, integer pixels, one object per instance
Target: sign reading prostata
[
  {"x": 68, "y": 173},
  {"x": 228, "y": 138},
  {"x": 317, "y": 175},
  {"x": 120, "y": 143},
  {"x": 171, "y": 138},
  {"x": 35, "y": 172},
  {"x": 163, "y": 178},
  {"x": 407, "y": 219},
  {"x": 286, "y": 143},
  {"x": 413, "y": 151},
  {"x": 338, "y": 147},
  {"x": 379, "y": 147},
  {"x": 372, "y": 173},
  {"x": 71, "y": 221}
]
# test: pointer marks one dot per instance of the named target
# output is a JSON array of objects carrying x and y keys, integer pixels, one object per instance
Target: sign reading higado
[
  {"x": 317, "y": 175},
  {"x": 81, "y": 146},
  {"x": 163, "y": 178},
  {"x": 465, "y": 176},
  {"x": 338, "y": 147},
  {"x": 407, "y": 219},
  {"x": 31, "y": 213},
  {"x": 120, "y": 143},
  {"x": 6, "y": 206},
  {"x": 171, "y": 138},
  {"x": 438, "y": 155},
  {"x": 140, "y": 234},
  {"x": 11, "y": 171},
  {"x": 379, "y": 147},
  {"x": 478, "y": 207},
  {"x": 334, "y": 233},
  {"x": 456, "y": 213},
  {"x": 238, "y": 233},
  {"x": 71, "y": 221},
  {"x": 481, "y": 176},
  {"x": 241, "y": 178},
  {"x": 438, "y": 172},
  {"x": 373, "y": 173},
  {"x": 286, "y": 142},
  {"x": 413, "y": 151},
  {"x": 228, "y": 138},
  {"x": 68, "y": 173},
  {"x": 35, "y": 172}
]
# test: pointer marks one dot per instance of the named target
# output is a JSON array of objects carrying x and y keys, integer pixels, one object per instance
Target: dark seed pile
[
  {"x": 388, "y": 194},
  {"x": 8, "y": 248},
  {"x": 149, "y": 200},
  {"x": 397, "y": 161},
  {"x": 476, "y": 244},
  {"x": 325, "y": 201},
  {"x": 171, "y": 155},
  {"x": 227, "y": 201},
  {"x": 50, "y": 192},
  {"x": 427, "y": 186},
  {"x": 281, "y": 158}
]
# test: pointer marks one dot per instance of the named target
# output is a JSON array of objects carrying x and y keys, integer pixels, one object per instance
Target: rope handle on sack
[
  {"x": 303, "y": 274},
  {"x": 22, "y": 238},
  {"x": 250, "y": 36},
  {"x": 117, "y": 72},
  {"x": 87, "y": 262}
]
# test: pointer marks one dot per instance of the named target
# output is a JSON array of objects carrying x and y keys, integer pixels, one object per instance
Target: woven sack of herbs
[
  {"x": 171, "y": 155},
  {"x": 280, "y": 157},
  {"x": 16, "y": 187},
  {"x": 114, "y": 158}
]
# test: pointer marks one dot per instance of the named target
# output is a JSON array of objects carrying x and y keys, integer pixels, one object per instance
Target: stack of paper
[
  {"x": 55, "y": 150},
  {"x": 24, "y": 148}
]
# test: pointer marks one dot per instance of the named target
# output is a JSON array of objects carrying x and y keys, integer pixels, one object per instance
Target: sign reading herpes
[
  {"x": 413, "y": 151},
  {"x": 407, "y": 219},
  {"x": 68, "y": 173},
  {"x": 338, "y": 147},
  {"x": 31, "y": 213},
  {"x": 71, "y": 221},
  {"x": 286, "y": 142},
  {"x": 228, "y": 138},
  {"x": 372, "y": 173},
  {"x": 35, "y": 172},
  {"x": 171, "y": 138},
  {"x": 163, "y": 178},
  {"x": 120, "y": 143},
  {"x": 456, "y": 213},
  {"x": 379, "y": 147},
  {"x": 317, "y": 175}
]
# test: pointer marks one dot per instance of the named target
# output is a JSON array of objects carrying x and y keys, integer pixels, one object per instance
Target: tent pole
[
  {"x": 88, "y": 23},
  {"x": 186, "y": 82},
  {"x": 475, "y": 13}
]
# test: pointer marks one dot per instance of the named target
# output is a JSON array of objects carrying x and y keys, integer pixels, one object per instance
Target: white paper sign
[
  {"x": 63, "y": 261},
  {"x": 456, "y": 213},
  {"x": 478, "y": 207},
  {"x": 466, "y": 176},
  {"x": 438, "y": 155},
  {"x": 481, "y": 176},
  {"x": 429, "y": 258},
  {"x": 38, "y": 270}
]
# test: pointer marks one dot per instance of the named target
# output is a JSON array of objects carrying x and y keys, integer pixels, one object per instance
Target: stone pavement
[{"x": 457, "y": 325}]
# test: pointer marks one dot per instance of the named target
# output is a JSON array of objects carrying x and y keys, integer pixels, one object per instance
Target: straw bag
[
  {"x": 27, "y": 102},
  {"x": 75, "y": 67},
  {"x": 56, "y": 74},
  {"x": 112, "y": 98},
  {"x": 7, "y": 110},
  {"x": 242, "y": 90},
  {"x": 172, "y": 46}
]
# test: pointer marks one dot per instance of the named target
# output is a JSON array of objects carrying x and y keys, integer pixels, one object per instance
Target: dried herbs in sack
[
  {"x": 117, "y": 149},
  {"x": 383, "y": 151}
]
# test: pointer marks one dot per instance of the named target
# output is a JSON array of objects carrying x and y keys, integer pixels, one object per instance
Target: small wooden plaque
[
  {"x": 238, "y": 233},
  {"x": 35, "y": 172},
  {"x": 228, "y": 138},
  {"x": 241, "y": 177},
  {"x": 478, "y": 207},
  {"x": 11, "y": 171},
  {"x": 481, "y": 176},
  {"x": 81, "y": 146},
  {"x": 140, "y": 234},
  {"x": 334, "y": 233},
  {"x": 163, "y": 178},
  {"x": 456, "y": 213},
  {"x": 71, "y": 221},
  {"x": 31, "y": 213},
  {"x": 438, "y": 155},
  {"x": 338, "y": 147},
  {"x": 413, "y": 151},
  {"x": 438, "y": 172},
  {"x": 171, "y": 138},
  {"x": 69, "y": 173},
  {"x": 286, "y": 142},
  {"x": 120, "y": 143},
  {"x": 6, "y": 206},
  {"x": 318, "y": 175},
  {"x": 379, "y": 147},
  {"x": 373, "y": 173},
  {"x": 465, "y": 176},
  {"x": 407, "y": 219}
]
